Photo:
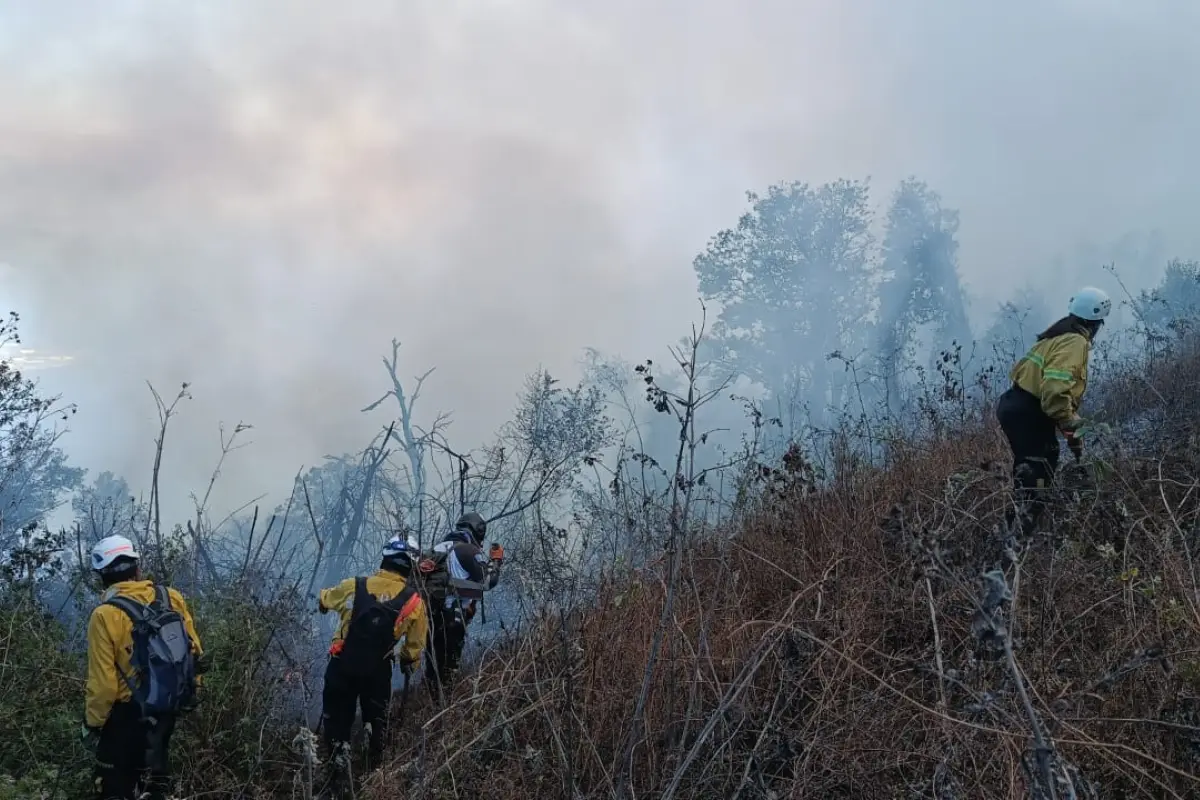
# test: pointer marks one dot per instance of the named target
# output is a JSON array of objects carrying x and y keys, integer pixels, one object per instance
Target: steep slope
[{"x": 825, "y": 649}]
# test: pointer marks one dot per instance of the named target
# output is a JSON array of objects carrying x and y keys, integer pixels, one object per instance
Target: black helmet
[{"x": 474, "y": 523}]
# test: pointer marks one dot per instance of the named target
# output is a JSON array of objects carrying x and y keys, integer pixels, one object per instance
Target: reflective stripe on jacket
[
  {"x": 1056, "y": 372},
  {"x": 413, "y": 627},
  {"x": 110, "y": 646}
]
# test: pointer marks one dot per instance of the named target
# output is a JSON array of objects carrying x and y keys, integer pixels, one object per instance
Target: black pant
[
  {"x": 447, "y": 636},
  {"x": 1033, "y": 437},
  {"x": 132, "y": 752},
  {"x": 344, "y": 694}
]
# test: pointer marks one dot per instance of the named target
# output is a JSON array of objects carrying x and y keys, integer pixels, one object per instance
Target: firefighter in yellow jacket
[
  {"x": 1048, "y": 387},
  {"x": 375, "y": 613},
  {"x": 131, "y": 734}
]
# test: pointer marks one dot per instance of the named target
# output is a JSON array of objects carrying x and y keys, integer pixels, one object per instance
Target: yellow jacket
[
  {"x": 110, "y": 647},
  {"x": 384, "y": 585},
  {"x": 1056, "y": 372}
]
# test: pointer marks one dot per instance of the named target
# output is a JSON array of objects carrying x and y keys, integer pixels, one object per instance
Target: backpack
[
  {"x": 435, "y": 575},
  {"x": 370, "y": 637},
  {"x": 438, "y": 583},
  {"x": 164, "y": 679}
]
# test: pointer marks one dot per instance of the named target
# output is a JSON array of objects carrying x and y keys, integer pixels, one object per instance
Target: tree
[
  {"x": 341, "y": 501},
  {"x": 415, "y": 442},
  {"x": 921, "y": 291},
  {"x": 34, "y": 472},
  {"x": 555, "y": 428},
  {"x": 792, "y": 280},
  {"x": 1173, "y": 306},
  {"x": 107, "y": 507},
  {"x": 555, "y": 433},
  {"x": 1015, "y": 325}
]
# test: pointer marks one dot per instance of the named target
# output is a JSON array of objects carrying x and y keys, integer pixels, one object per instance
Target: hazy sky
[{"x": 257, "y": 196}]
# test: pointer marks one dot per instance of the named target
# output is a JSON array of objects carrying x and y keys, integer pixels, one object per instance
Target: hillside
[
  {"x": 828, "y": 643},
  {"x": 826, "y": 649}
]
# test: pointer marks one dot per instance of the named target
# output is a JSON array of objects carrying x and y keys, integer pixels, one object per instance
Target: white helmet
[
  {"x": 1090, "y": 303},
  {"x": 109, "y": 549},
  {"x": 397, "y": 546}
]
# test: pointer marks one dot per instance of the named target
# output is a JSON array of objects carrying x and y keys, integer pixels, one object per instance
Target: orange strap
[{"x": 409, "y": 607}]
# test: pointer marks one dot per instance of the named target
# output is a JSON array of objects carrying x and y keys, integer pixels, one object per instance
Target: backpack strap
[
  {"x": 137, "y": 614},
  {"x": 163, "y": 598},
  {"x": 132, "y": 608},
  {"x": 362, "y": 598}
]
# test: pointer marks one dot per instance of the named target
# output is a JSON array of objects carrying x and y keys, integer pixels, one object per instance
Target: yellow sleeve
[
  {"x": 337, "y": 597},
  {"x": 102, "y": 678},
  {"x": 1066, "y": 362},
  {"x": 415, "y": 630},
  {"x": 180, "y": 605}
]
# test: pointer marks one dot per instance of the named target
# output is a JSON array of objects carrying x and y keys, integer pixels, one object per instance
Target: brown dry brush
[
  {"x": 826, "y": 649},
  {"x": 830, "y": 645}
]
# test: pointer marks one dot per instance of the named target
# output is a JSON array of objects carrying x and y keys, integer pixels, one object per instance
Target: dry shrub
[{"x": 826, "y": 649}]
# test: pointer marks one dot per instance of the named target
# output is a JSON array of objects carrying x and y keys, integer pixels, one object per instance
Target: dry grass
[
  {"x": 825, "y": 647},
  {"x": 813, "y": 654}
]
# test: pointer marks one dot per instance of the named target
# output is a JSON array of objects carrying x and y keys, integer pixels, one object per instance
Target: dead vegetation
[
  {"x": 837, "y": 645},
  {"x": 857, "y": 627}
]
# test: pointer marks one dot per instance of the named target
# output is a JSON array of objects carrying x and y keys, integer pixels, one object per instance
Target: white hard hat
[
  {"x": 398, "y": 546},
  {"x": 109, "y": 549},
  {"x": 1090, "y": 303}
]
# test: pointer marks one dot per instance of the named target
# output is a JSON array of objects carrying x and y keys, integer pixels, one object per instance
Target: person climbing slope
[
  {"x": 1048, "y": 384},
  {"x": 144, "y": 662},
  {"x": 375, "y": 613},
  {"x": 455, "y": 578}
]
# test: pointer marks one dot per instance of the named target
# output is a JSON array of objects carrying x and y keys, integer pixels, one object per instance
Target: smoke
[{"x": 257, "y": 197}]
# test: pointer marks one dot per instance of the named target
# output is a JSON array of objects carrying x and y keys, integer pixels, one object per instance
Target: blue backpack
[{"x": 164, "y": 679}]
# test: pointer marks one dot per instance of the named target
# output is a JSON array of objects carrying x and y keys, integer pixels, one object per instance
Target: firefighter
[
  {"x": 1048, "y": 384},
  {"x": 456, "y": 576},
  {"x": 131, "y": 732},
  {"x": 375, "y": 613}
]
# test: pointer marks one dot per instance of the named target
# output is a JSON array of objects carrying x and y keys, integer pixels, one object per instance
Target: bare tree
[{"x": 412, "y": 439}]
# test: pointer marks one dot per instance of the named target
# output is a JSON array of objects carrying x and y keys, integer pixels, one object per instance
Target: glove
[
  {"x": 89, "y": 736},
  {"x": 407, "y": 668},
  {"x": 496, "y": 552},
  {"x": 203, "y": 664},
  {"x": 1074, "y": 444}
]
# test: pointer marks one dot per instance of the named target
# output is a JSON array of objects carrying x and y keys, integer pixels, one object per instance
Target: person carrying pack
[
  {"x": 375, "y": 614},
  {"x": 144, "y": 662},
  {"x": 455, "y": 576}
]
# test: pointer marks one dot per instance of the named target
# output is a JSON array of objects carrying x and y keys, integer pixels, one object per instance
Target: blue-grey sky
[{"x": 257, "y": 196}]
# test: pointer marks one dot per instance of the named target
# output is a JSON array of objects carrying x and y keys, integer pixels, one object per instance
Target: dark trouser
[
  {"x": 447, "y": 635},
  {"x": 344, "y": 694},
  {"x": 1033, "y": 437},
  {"x": 132, "y": 753}
]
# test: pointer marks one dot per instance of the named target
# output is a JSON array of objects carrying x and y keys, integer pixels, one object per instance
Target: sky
[{"x": 256, "y": 197}]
